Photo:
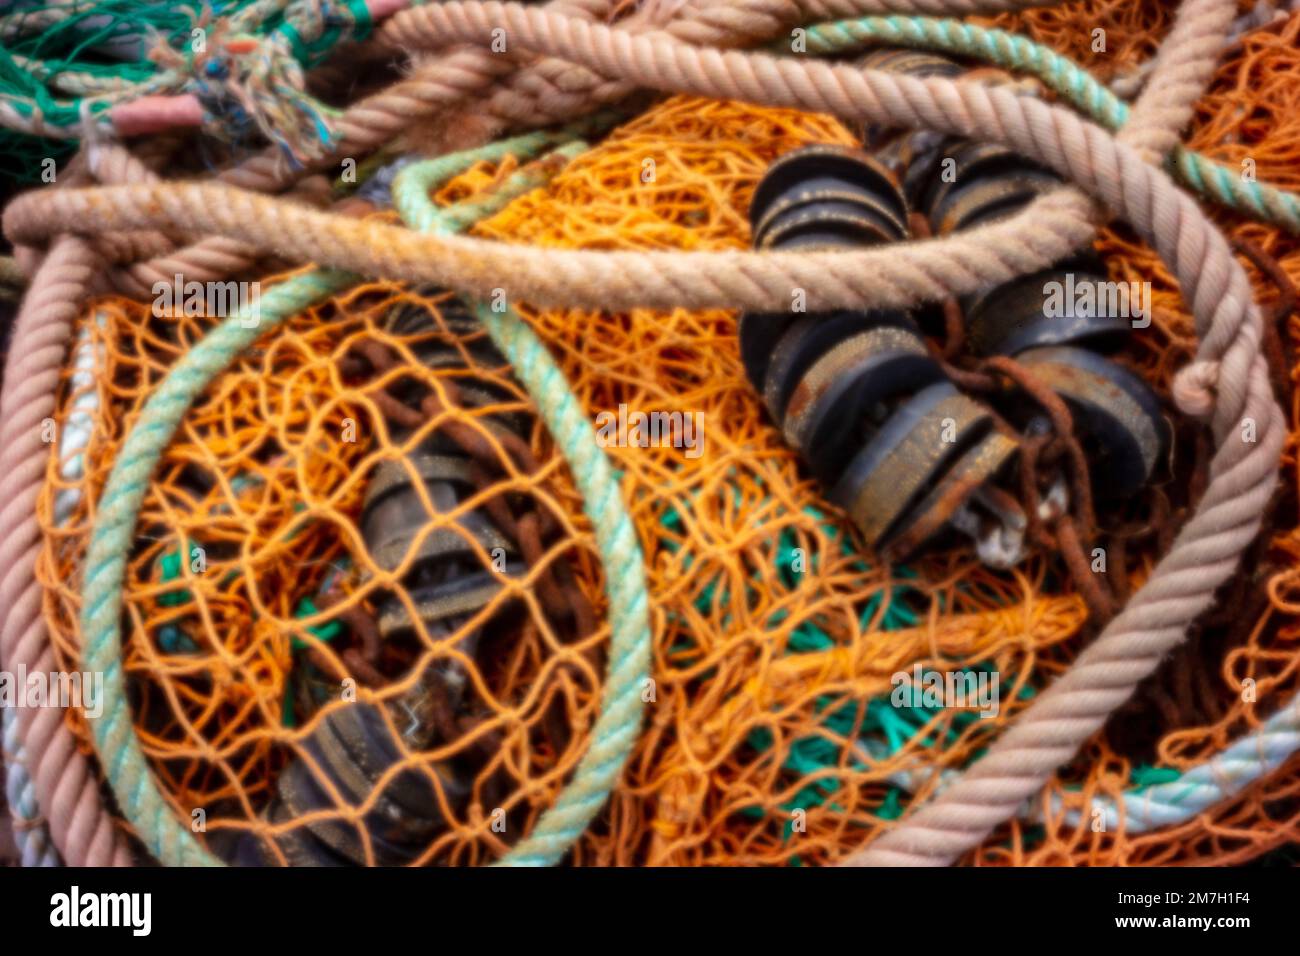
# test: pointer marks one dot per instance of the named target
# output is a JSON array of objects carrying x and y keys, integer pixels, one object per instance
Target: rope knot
[
  {"x": 248, "y": 83},
  {"x": 1194, "y": 388}
]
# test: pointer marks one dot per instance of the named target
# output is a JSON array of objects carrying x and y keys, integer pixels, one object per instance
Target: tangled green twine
[{"x": 54, "y": 71}]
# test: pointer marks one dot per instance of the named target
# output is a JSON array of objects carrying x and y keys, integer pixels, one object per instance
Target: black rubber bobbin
[
  {"x": 1035, "y": 311},
  {"x": 1118, "y": 416},
  {"x": 807, "y": 340},
  {"x": 790, "y": 210},
  {"x": 825, "y": 228},
  {"x": 888, "y": 477},
  {"x": 978, "y": 465},
  {"x": 850, "y": 391},
  {"x": 353, "y": 748},
  {"x": 826, "y": 172},
  {"x": 989, "y": 200},
  {"x": 985, "y": 181},
  {"x": 860, "y": 221}
]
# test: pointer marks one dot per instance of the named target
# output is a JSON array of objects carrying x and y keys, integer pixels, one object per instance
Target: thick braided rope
[
  {"x": 64, "y": 789},
  {"x": 30, "y": 832},
  {"x": 570, "y": 89},
  {"x": 456, "y": 77},
  {"x": 63, "y": 783},
  {"x": 1214, "y": 179},
  {"x": 547, "y": 89},
  {"x": 1144, "y": 195},
  {"x": 895, "y": 276},
  {"x": 1183, "y": 67},
  {"x": 842, "y": 9},
  {"x": 615, "y": 730},
  {"x": 867, "y": 94}
]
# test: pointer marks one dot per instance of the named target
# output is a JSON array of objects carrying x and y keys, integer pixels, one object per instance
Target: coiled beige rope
[
  {"x": 1242, "y": 473},
  {"x": 548, "y": 91},
  {"x": 65, "y": 784},
  {"x": 66, "y": 788}
]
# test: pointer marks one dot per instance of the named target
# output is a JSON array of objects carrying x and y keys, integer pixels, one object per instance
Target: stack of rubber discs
[
  {"x": 857, "y": 391},
  {"x": 448, "y": 580},
  {"x": 353, "y": 747},
  {"x": 1065, "y": 323},
  {"x": 350, "y": 750}
]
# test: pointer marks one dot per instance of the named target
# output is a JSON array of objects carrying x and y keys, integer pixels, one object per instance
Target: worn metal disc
[
  {"x": 993, "y": 173},
  {"x": 814, "y": 205},
  {"x": 1116, "y": 413},
  {"x": 986, "y": 200},
  {"x": 855, "y": 227},
  {"x": 392, "y": 518},
  {"x": 1014, "y": 316},
  {"x": 907, "y": 455},
  {"x": 846, "y": 395},
  {"x": 979, "y": 464},
  {"x": 808, "y": 340},
  {"x": 352, "y": 749},
  {"x": 824, "y": 167}
]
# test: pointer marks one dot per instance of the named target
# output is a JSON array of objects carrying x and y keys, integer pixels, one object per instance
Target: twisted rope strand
[
  {"x": 1207, "y": 176},
  {"x": 66, "y": 791},
  {"x": 1242, "y": 473},
  {"x": 29, "y": 829}
]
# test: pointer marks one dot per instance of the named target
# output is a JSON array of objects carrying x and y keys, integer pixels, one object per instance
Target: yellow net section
[{"x": 769, "y": 736}]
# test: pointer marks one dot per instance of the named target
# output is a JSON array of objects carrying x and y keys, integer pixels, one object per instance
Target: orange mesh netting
[
  {"x": 774, "y": 639},
  {"x": 236, "y": 653}
]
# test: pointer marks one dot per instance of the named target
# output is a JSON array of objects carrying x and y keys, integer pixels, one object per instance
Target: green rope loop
[
  {"x": 622, "y": 707},
  {"x": 1064, "y": 76},
  {"x": 120, "y": 755}
]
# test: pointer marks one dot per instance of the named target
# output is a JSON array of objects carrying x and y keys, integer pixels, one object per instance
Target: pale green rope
[
  {"x": 121, "y": 757},
  {"x": 1214, "y": 179},
  {"x": 622, "y": 705}
]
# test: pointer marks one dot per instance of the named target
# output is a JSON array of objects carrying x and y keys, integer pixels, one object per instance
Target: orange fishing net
[
  {"x": 774, "y": 638},
  {"x": 256, "y": 607}
]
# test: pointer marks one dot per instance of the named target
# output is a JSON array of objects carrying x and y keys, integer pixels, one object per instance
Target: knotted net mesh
[{"x": 770, "y": 737}]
